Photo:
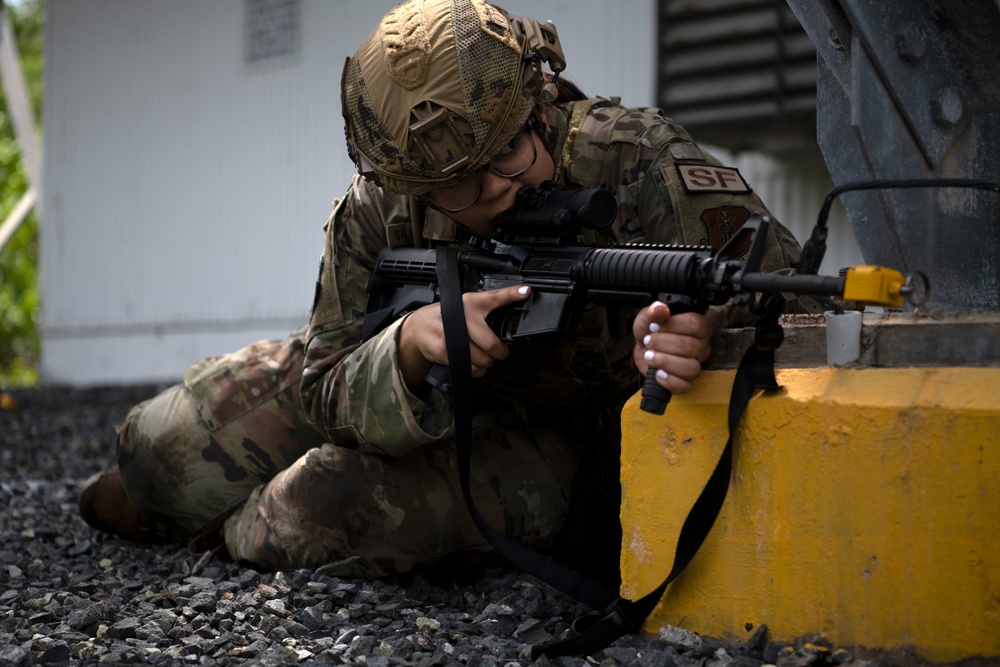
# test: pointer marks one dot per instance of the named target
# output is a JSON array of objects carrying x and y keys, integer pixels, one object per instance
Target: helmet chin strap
[{"x": 540, "y": 124}]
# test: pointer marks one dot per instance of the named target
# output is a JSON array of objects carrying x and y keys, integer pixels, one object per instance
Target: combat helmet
[{"x": 440, "y": 87}]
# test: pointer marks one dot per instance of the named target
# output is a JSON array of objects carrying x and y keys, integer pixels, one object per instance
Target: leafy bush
[{"x": 19, "y": 303}]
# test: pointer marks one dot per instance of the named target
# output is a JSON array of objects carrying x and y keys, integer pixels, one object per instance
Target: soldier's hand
[
  {"x": 675, "y": 345},
  {"x": 422, "y": 342}
]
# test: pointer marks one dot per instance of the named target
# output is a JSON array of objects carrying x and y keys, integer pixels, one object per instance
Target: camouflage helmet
[{"x": 440, "y": 87}]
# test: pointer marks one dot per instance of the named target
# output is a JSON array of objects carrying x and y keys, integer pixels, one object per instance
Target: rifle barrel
[{"x": 794, "y": 284}]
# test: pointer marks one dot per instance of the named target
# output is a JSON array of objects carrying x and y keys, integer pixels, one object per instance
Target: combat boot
[{"x": 105, "y": 506}]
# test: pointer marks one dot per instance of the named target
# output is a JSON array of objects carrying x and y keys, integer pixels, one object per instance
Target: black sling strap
[
  {"x": 460, "y": 364},
  {"x": 756, "y": 370}
]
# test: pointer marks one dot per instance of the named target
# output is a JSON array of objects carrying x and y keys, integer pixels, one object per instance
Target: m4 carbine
[{"x": 536, "y": 244}]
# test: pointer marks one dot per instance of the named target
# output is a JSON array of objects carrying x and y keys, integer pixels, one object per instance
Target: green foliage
[{"x": 19, "y": 303}]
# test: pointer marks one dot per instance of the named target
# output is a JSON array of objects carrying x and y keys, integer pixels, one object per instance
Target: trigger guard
[{"x": 503, "y": 321}]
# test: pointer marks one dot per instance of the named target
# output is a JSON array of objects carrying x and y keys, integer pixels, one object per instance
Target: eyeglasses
[{"x": 513, "y": 160}]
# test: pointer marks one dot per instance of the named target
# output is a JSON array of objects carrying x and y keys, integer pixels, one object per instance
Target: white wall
[{"x": 185, "y": 191}]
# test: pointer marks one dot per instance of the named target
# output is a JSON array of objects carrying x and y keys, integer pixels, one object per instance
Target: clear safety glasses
[{"x": 515, "y": 159}]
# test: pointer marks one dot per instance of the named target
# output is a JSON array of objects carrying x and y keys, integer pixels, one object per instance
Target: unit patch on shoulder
[
  {"x": 701, "y": 178},
  {"x": 722, "y": 224}
]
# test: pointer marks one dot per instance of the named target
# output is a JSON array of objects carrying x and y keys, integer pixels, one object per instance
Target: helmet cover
[{"x": 439, "y": 87}]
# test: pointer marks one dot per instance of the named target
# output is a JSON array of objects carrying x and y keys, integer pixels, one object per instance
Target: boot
[{"x": 105, "y": 506}]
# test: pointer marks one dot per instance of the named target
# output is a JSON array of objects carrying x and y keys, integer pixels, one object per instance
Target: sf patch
[
  {"x": 722, "y": 224},
  {"x": 700, "y": 178}
]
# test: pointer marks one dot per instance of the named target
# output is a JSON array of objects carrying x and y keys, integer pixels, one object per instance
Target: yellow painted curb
[{"x": 864, "y": 506}]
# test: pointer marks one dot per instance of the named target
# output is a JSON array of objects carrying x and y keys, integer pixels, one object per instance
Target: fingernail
[
  {"x": 653, "y": 327},
  {"x": 522, "y": 290},
  {"x": 648, "y": 356},
  {"x": 662, "y": 374},
  {"x": 646, "y": 339}
]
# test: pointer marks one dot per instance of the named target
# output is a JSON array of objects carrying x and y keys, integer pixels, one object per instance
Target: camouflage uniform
[{"x": 312, "y": 452}]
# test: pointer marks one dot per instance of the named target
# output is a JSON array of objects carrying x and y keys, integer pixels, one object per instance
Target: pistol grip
[{"x": 439, "y": 377}]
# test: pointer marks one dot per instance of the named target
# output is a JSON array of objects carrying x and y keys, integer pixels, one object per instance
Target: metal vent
[
  {"x": 272, "y": 31},
  {"x": 737, "y": 73}
]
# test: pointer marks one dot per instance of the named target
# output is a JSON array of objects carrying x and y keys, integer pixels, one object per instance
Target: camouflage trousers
[{"x": 230, "y": 447}]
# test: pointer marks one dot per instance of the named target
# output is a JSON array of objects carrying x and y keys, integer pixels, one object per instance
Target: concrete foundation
[{"x": 863, "y": 505}]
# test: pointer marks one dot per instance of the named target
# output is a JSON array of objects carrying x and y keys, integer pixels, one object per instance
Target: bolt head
[
  {"x": 947, "y": 107},
  {"x": 911, "y": 44},
  {"x": 835, "y": 39}
]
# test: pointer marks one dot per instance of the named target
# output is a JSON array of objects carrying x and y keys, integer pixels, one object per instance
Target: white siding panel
[{"x": 187, "y": 190}]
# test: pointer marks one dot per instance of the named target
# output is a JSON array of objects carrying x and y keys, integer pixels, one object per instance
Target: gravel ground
[{"x": 70, "y": 595}]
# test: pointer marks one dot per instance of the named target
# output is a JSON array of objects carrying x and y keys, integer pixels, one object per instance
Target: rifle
[{"x": 536, "y": 244}]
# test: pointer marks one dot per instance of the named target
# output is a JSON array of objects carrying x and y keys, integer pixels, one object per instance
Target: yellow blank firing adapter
[{"x": 874, "y": 285}]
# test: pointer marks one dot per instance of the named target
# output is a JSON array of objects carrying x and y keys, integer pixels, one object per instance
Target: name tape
[{"x": 704, "y": 178}]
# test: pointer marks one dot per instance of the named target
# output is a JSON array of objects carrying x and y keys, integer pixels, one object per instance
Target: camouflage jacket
[{"x": 668, "y": 190}]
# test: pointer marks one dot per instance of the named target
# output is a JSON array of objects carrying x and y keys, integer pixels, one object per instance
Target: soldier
[{"x": 326, "y": 452}]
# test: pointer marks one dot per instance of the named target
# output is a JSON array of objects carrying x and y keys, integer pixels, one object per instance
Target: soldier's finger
[
  {"x": 650, "y": 319},
  {"x": 488, "y": 301}
]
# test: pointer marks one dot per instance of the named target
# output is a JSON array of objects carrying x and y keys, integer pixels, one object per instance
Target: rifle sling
[
  {"x": 620, "y": 616},
  {"x": 460, "y": 364},
  {"x": 756, "y": 371}
]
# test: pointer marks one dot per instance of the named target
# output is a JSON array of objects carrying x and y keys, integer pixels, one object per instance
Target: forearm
[
  {"x": 413, "y": 366},
  {"x": 362, "y": 400}
]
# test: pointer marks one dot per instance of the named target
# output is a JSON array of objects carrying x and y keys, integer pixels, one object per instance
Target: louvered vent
[
  {"x": 737, "y": 73},
  {"x": 272, "y": 32}
]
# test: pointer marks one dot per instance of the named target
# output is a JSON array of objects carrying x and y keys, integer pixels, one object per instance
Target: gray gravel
[{"x": 70, "y": 595}]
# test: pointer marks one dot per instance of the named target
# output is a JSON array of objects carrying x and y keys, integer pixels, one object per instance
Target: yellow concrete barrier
[{"x": 864, "y": 506}]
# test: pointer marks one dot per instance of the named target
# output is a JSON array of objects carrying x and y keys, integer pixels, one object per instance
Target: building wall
[
  {"x": 794, "y": 187},
  {"x": 186, "y": 188}
]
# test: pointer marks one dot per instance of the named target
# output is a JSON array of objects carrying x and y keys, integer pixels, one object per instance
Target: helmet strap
[{"x": 416, "y": 222}]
